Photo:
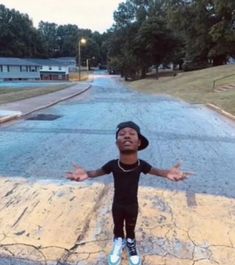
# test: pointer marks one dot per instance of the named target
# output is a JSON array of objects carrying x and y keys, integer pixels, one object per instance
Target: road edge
[
  {"x": 221, "y": 111},
  {"x": 4, "y": 119}
]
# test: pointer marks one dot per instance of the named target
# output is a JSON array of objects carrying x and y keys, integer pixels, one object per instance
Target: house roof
[
  {"x": 37, "y": 62},
  {"x": 16, "y": 61},
  {"x": 70, "y": 59},
  {"x": 49, "y": 62}
]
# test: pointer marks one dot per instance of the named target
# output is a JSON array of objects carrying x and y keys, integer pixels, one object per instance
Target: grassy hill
[{"x": 215, "y": 85}]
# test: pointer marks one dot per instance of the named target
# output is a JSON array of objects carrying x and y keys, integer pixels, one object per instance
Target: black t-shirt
[{"x": 126, "y": 179}]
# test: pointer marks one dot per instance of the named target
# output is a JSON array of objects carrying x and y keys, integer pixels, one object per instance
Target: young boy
[{"x": 126, "y": 172}]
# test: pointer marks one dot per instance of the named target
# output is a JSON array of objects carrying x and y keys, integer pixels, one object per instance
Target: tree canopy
[
  {"x": 19, "y": 38},
  {"x": 207, "y": 27},
  {"x": 144, "y": 33}
]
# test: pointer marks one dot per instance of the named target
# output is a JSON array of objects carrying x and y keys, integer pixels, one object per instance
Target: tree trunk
[
  {"x": 143, "y": 73},
  {"x": 219, "y": 60},
  {"x": 157, "y": 73}
]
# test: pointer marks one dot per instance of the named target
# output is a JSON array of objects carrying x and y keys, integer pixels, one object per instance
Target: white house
[
  {"x": 52, "y": 69},
  {"x": 18, "y": 69},
  {"x": 69, "y": 61}
]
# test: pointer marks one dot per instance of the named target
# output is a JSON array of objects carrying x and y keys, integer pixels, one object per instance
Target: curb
[
  {"x": 20, "y": 115},
  {"x": 221, "y": 111},
  {"x": 10, "y": 117},
  {"x": 56, "y": 102}
]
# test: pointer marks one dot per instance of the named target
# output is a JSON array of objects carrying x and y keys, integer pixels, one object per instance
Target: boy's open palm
[
  {"x": 79, "y": 174},
  {"x": 176, "y": 174}
]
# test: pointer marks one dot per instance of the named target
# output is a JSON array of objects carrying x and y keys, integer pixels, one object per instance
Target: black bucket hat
[{"x": 130, "y": 124}]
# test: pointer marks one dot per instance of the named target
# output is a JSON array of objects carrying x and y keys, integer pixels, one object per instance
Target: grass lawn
[
  {"x": 14, "y": 94},
  {"x": 195, "y": 86}
]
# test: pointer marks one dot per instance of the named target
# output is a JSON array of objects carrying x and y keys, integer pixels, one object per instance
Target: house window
[
  {"x": 4, "y": 68},
  {"x": 50, "y": 68},
  {"x": 0, "y": 68},
  {"x": 33, "y": 69},
  {"x": 14, "y": 68},
  {"x": 59, "y": 68},
  {"x": 24, "y": 68}
]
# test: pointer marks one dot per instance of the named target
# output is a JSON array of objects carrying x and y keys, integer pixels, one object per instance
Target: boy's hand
[
  {"x": 176, "y": 174},
  {"x": 79, "y": 174}
]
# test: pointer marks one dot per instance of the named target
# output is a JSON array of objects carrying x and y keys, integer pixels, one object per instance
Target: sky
[{"x": 96, "y": 15}]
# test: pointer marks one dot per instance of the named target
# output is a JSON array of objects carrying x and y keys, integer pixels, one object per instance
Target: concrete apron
[{"x": 71, "y": 223}]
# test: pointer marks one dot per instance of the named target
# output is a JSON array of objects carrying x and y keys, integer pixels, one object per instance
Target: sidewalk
[{"x": 24, "y": 107}]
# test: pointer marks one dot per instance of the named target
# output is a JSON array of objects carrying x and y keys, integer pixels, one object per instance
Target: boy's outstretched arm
[
  {"x": 174, "y": 174},
  {"x": 80, "y": 174}
]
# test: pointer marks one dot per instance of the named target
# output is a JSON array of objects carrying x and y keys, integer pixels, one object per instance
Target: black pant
[{"x": 127, "y": 213}]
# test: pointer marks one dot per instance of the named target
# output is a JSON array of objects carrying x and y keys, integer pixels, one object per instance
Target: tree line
[
  {"x": 152, "y": 32},
  {"x": 19, "y": 38},
  {"x": 197, "y": 33}
]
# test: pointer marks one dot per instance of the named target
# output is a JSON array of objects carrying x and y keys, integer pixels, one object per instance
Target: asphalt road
[
  {"x": 174, "y": 227},
  {"x": 84, "y": 127}
]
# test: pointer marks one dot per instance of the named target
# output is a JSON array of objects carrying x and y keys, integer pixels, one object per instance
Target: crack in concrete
[
  {"x": 153, "y": 242},
  {"x": 61, "y": 261},
  {"x": 11, "y": 191},
  {"x": 3, "y": 237},
  {"x": 169, "y": 246},
  {"x": 21, "y": 215},
  {"x": 22, "y": 254},
  {"x": 66, "y": 256}
]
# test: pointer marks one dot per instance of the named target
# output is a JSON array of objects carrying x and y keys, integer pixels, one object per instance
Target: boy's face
[{"x": 128, "y": 140}]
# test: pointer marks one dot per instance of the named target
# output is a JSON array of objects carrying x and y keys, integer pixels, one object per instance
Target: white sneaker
[
  {"x": 134, "y": 258},
  {"x": 115, "y": 256}
]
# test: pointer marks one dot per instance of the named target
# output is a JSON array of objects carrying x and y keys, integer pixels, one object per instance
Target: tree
[
  {"x": 207, "y": 27},
  {"x": 154, "y": 42},
  {"x": 141, "y": 36},
  {"x": 48, "y": 32},
  {"x": 100, "y": 49},
  {"x": 18, "y": 37},
  {"x": 67, "y": 40},
  {"x": 191, "y": 20},
  {"x": 223, "y": 31},
  {"x": 121, "y": 57},
  {"x": 120, "y": 51},
  {"x": 124, "y": 15}
]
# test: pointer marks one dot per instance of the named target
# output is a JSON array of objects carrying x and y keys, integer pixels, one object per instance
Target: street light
[
  {"x": 88, "y": 62},
  {"x": 81, "y": 41}
]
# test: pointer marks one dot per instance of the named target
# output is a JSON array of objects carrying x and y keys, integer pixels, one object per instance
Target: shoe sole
[
  {"x": 119, "y": 262},
  {"x": 111, "y": 263},
  {"x": 130, "y": 263}
]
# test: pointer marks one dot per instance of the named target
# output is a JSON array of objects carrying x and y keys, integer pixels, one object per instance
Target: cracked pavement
[{"x": 70, "y": 224}]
